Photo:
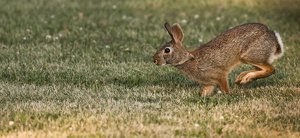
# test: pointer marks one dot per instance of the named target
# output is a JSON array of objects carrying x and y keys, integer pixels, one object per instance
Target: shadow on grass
[{"x": 170, "y": 79}]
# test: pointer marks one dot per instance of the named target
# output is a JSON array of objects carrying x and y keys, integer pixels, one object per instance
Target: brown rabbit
[{"x": 209, "y": 64}]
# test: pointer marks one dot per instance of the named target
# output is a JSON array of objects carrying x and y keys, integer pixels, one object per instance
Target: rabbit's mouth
[
  {"x": 157, "y": 63},
  {"x": 161, "y": 65}
]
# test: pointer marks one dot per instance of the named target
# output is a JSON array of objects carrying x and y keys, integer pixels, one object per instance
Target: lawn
[{"x": 74, "y": 68}]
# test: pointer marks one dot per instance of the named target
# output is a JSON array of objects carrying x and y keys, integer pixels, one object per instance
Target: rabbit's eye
[{"x": 167, "y": 50}]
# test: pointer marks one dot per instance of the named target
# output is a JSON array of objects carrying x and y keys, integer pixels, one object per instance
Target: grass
[{"x": 84, "y": 69}]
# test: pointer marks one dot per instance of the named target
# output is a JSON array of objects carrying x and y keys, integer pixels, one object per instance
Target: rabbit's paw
[
  {"x": 239, "y": 79},
  {"x": 247, "y": 79}
]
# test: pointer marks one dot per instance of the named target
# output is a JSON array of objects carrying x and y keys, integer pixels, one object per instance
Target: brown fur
[{"x": 209, "y": 64}]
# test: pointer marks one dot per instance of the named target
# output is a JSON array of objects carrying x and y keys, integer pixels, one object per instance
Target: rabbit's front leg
[
  {"x": 208, "y": 90},
  {"x": 223, "y": 83}
]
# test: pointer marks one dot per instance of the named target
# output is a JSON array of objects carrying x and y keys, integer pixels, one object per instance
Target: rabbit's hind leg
[
  {"x": 265, "y": 70},
  {"x": 240, "y": 77}
]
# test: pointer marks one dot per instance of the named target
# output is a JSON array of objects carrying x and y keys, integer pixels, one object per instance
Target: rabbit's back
[{"x": 228, "y": 49}]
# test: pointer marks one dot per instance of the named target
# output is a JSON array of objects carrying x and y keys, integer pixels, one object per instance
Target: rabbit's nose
[{"x": 155, "y": 61}]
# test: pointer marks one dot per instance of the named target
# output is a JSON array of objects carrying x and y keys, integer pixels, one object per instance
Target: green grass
[{"x": 95, "y": 77}]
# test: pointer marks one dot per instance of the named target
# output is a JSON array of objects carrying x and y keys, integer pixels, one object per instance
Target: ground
[{"x": 71, "y": 68}]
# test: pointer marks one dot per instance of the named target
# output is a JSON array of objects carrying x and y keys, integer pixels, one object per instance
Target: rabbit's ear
[
  {"x": 169, "y": 29},
  {"x": 177, "y": 33}
]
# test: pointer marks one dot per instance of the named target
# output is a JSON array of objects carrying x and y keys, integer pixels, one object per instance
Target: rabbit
[{"x": 210, "y": 63}]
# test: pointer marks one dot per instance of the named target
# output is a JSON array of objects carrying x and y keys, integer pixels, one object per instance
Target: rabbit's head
[{"x": 172, "y": 53}]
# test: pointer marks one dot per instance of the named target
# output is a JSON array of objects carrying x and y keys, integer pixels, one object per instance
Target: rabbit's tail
[{"x": 279, "y": 48}]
